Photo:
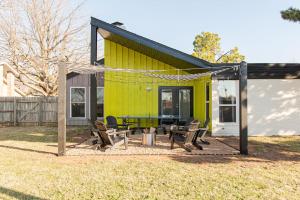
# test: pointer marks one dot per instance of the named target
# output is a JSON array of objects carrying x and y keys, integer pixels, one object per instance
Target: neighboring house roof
[
  {"x": 17, "y": 90},
  {"x": 149, "y": 47},
  {"x": 8, "y": 68}
]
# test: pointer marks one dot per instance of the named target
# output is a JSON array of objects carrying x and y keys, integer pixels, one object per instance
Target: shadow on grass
[
  {"x": 29, "y": 150},
  {"x": 18, "y": 195},
  {"x": 261, "y": 150},
  {"x": 40, "y": 134}
]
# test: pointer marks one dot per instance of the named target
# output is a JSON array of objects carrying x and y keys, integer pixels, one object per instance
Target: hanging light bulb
[{"x": 148, "y": 88}]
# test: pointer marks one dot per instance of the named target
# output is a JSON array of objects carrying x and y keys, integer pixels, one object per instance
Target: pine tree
[{"x": 291, "y": 14}]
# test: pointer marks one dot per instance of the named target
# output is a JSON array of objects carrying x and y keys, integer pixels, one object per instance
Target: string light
[{"x": 93, "y": 69}]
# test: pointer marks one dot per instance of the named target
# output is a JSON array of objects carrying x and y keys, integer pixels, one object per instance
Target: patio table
[{"x": 126, "y": 119}]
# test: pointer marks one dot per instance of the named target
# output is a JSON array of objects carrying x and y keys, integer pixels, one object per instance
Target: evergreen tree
[{"x": 291, "y": 14}]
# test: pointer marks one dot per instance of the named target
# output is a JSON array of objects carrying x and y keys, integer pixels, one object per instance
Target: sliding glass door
[
  {"x": 176, "y": 101},
  {"x": 185, "y": 103}
]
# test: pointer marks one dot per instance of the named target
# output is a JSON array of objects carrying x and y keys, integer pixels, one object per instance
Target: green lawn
[{"x": 30, "y": 170}]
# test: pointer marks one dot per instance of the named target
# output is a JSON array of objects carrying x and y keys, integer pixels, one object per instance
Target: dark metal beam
[
  {"x": 147, "y": 46},
  {"x": 93, "y": 79},
  {"x": 243, "y": 108}
]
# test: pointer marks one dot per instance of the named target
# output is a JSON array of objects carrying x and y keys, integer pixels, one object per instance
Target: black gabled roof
[{"x": 149, "y": 47}]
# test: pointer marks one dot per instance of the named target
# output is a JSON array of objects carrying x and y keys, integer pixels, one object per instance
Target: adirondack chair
[
  {"x": 112, "y": 123},
  {"x": 202, "y": 132},
  {"x": 96, "y": 138},
  {"x": 111, "y": 137},
  {"x": 185, "y": 138},
  {"x": 192, "y": 123}
]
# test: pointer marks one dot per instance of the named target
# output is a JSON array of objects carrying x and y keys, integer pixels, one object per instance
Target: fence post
[
  {"x": 15, "y": 111},
  {"x": 40, "y": 111}
]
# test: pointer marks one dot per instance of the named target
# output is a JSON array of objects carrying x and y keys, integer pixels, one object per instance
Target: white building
[
  {"x": 273, "y": 101},
  {"x": 7, "y": 82}
]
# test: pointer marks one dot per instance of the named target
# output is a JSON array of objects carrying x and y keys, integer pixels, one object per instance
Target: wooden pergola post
[
  {"x": 62, "y": 109},
  {"x": 1, "y": 79},
  {"x": 93, "y": 79},
  {"x": 243, "y": 108}
]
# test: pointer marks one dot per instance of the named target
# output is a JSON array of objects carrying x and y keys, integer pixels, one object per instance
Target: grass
[
  {"x": 30, "y": 170},
  {"x": 277, "y": 143}
]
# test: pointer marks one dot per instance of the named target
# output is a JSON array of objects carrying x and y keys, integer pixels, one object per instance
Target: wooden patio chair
[
  {"x": 185, "y": 138},
  {"x": 190, "y": 125},
  {"x": 96, "y": 138},
  {"x": 202, "y": 132},
  {"x": 111, "y": 137}
]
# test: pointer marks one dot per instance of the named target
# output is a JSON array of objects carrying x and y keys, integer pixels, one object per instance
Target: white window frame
[
  {"x": 85, "y": 100},
  {"x": 103, "y": 100},
  {"x": 236, "y": 104}
]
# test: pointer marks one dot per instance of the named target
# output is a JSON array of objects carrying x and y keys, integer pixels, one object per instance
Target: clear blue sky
[{"x": 255, "y": 26}]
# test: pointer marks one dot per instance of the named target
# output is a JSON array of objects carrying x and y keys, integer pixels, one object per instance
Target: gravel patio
[{"x": 162, "y": 147}]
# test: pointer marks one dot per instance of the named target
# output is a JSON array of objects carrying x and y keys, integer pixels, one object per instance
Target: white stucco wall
[{"x": 273, "y": 108}]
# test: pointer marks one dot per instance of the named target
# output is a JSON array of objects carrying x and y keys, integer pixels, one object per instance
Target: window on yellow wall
[{"x": 207, "y": 101}]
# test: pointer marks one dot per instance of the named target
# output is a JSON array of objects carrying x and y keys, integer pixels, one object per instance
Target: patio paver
[{"x": 162, "y": 147}]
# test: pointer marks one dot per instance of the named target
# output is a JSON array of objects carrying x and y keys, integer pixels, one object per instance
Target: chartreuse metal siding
[{"x": 137, "y": 94}]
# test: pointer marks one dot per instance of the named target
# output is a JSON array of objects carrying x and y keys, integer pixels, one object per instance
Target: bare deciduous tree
[{"x": 35, "y": 36}]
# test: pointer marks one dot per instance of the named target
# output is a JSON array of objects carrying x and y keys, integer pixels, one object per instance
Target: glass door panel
[
  {"x": 167, "y": 102},
  {"x": 176, "y": 101},
  {"x": 184, "y": 103}
]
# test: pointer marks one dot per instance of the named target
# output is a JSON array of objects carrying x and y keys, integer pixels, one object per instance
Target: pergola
[{"x": 130, "y": 38}]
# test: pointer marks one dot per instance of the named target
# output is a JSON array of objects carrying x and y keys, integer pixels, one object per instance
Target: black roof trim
[
  {"x": 142, "y": 41},
  {"x": 267, "y": 71}
]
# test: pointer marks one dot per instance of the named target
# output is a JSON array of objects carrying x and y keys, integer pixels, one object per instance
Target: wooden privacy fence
[{"x": 28, "y": 111}]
